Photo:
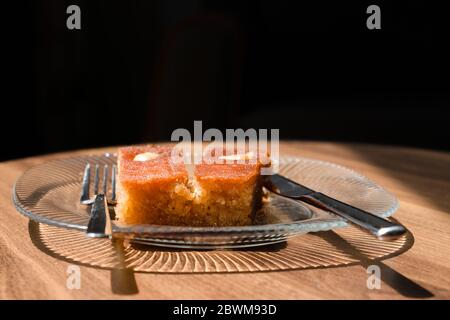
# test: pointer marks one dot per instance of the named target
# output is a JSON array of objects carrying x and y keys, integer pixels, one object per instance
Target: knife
[{"x": 379, "y": 227}]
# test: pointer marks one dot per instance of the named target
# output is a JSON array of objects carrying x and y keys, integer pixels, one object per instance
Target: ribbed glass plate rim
[{"x": 318, "y": 222}]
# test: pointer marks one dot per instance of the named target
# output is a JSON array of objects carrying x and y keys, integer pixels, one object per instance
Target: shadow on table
[
  {"x": 421, "y": 171},
  {"x": 311, "y": 251},
  {"x": 394, "y": 279},
  {"x": 122, "y": 279}
]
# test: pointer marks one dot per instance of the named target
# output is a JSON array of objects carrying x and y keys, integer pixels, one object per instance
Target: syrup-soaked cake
[{"x": 156, "y": 188}]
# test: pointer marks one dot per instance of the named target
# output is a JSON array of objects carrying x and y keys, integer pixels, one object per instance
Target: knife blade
[{"x": 379, "y": 227}]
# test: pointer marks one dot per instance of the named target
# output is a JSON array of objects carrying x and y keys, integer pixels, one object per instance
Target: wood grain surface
[{"x": 419, "y": 178}]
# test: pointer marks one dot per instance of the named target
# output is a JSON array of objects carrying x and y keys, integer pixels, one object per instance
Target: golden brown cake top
[
  {"x": 151, "y": 162},
  {"x": 236, "y": 165}
]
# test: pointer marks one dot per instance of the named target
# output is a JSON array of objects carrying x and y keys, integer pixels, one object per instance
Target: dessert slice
[
  {"x": 151, "y": 186},
  {"x": 230, "y": 193},
  {"x": 155, "y": 188}
]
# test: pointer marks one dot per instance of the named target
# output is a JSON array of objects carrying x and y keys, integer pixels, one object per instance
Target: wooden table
[{"x": 419, "y": 178}]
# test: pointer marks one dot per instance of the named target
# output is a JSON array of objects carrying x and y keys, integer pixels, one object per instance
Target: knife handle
[{"x": 381, "y": 228}]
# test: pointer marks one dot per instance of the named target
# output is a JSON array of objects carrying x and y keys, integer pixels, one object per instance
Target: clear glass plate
[{"x": 49, "y": 193}]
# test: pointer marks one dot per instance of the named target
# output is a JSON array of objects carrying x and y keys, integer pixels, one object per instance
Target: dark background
[{"x": 137, "y": 70}]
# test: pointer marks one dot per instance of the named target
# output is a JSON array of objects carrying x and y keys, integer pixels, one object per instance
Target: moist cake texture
[{"x": 156, "y": 188}]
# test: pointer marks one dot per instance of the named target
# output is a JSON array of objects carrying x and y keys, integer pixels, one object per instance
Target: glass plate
[{"x": 49, "y": 193}]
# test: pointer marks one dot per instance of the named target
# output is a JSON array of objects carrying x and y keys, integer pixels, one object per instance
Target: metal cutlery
[
  {"x": 85, "y": 197},
  {"x": 99, "y": 225},
  {"x": 379, "y": 227}
]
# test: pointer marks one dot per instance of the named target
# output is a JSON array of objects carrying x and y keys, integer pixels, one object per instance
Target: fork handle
[
  {"x": 99, "y": 225},
  {"x": 381, "y": 228}
]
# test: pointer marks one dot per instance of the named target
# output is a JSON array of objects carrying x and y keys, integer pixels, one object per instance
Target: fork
[{"x": 99, "y": 225}]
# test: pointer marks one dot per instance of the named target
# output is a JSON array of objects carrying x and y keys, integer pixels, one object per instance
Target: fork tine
[
  {"x": 113, "y": 183},
  {"x": 96, "y": 179},
  {"x": 105, "y": 180},
  {"x": 85, "y": 196},
  {"x": 85, "y": 184}
]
